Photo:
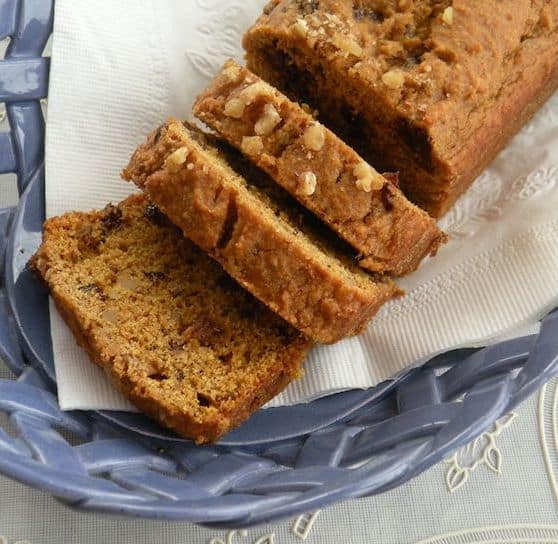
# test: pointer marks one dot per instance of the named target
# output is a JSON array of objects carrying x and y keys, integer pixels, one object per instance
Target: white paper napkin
[{"x": 121, "y": 68}]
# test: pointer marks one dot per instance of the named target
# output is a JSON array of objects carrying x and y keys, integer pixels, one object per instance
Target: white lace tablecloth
[{"x": 502, "y": 488}]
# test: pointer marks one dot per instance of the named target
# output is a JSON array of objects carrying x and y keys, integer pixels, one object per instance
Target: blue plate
[{"x": 283, "y": 461}]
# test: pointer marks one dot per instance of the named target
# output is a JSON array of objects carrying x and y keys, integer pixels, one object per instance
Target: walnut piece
[
  {"x": 268, "y": 121},
  {"x": 307, "y": 185},
  {"x": 251, "y": 145},
  {"x": 127, "y": 282},
  {"x": 314, "y": 137},
  {"x": 300, "y": 28},
  {"x": 250, "y": 93},
  {"x": 347, "y": 45},
  {"x": 367, "y": 179},
  {"x": 231, "y": 72},
  {"x": 235, "y": 108},
  {"x": 109, "y": 315},
  {"x": 393, "y": 79},
  {"x": 447, "y": 15},
  {"x": 176, "y": 159}
]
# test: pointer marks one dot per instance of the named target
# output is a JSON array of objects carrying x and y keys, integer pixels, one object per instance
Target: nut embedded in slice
[{"x": 308, "y": 182}]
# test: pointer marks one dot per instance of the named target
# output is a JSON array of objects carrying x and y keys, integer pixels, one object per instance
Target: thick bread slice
[
  {"x": 176, "y": 335},
  {"x": 390, "y": 234},
  {"x": 261, "y": 241}
]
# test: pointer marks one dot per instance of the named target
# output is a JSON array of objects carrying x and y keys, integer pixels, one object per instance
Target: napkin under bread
[{"x": 121, "y": 68}]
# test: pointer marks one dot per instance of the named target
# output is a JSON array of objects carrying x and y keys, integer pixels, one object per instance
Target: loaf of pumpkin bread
[
  {"x": 432, "y": 89},
  {"x": 179, "y": 338},
  {"x": 261, "y": 237},
  {"x": 390, "y": 234}
]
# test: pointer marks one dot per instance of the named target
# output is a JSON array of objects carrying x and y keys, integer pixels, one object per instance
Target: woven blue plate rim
[{"x": 351, "y": 444}]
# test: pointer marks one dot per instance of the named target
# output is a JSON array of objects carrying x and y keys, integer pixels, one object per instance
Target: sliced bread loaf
[
  {"x": 390, "y": 234},
  {"x": 176, "y": 335},
  {"x": 433, "y": 89},
  {"x": 261, "y": 236}
]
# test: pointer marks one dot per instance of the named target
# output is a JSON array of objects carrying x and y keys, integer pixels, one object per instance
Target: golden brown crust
[
  {"x": 195, "y": 324},
  {"x": 311, "y": 288},
  {"x": 434, "y": 89},
  {"x": 390, "y": 234}
]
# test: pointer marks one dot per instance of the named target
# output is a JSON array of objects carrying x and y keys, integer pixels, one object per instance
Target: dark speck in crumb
[
  {"x": 361, "y": 13},
  {"x": 157, "y": 136},
  {"x": 392, "y": 177},
  {"x": 387, "y": 197},
  {"x": 176, "y": 346},
  {"x": 93, "y": 288},
  {"x": 154, "y": 215},
  {"x": 155, "y": 276},
  {"x": 112, "y": 218},
  {"x": 226, "y": 358}
]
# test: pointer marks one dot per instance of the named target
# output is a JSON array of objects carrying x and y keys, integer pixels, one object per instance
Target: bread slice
[
  {"x": 390, "y": 234},
  {"x": 258, "y": 235},
  {"x": 176, "y": 335}
]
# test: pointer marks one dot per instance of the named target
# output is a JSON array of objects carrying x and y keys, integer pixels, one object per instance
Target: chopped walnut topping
[
  {"x": 366, "y": 178},
  {"x": 176, "y": 159},
  {"x": 347, "y": 45},
  {"x": 231, "y": 72},
  {"x": 447, "y": 15},
  {"x": 235, "y": 108},
  {"x": 393, "y": 79},
  {"x": 312, "y": 38},
  {"x": 314, "y": 137},
  {"x": 268, "y": 121},
  {"x": 300, "y": 28},
  {"x": 251, "y": 145},
  {"x": 307, "y": 185},
  {"x": 250, "y": 93}
]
